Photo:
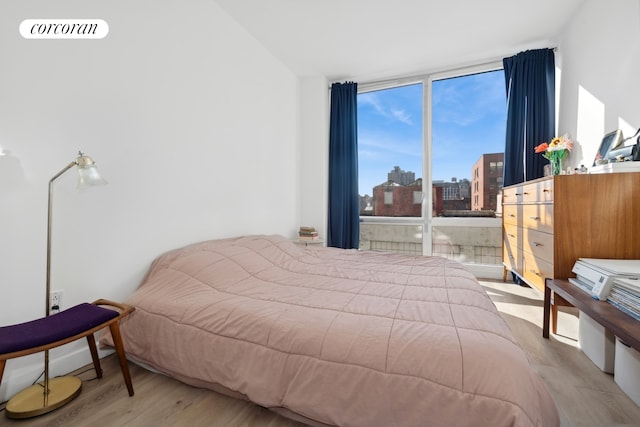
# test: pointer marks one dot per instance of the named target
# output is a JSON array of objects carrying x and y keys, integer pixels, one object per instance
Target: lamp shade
[{"x": 88, "y": 174}]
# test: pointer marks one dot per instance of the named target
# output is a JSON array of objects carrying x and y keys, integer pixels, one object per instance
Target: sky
[{"x": 469, "y": 116}]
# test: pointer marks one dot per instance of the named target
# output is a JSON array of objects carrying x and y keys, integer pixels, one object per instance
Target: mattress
[{"x": 334, "y": 337}]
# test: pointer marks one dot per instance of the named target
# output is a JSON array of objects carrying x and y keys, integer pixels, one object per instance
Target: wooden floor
[{"x": 585, "y": 396}]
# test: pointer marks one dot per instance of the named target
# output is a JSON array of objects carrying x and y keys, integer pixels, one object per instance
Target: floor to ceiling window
[
  {"x": 390, "y": 146},
  {"x": 390, "y": 167},
  {"x": 430, "y": 158}
]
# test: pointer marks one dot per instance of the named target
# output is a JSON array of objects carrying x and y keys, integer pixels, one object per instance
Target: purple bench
[{"x": 77, "y": 322}]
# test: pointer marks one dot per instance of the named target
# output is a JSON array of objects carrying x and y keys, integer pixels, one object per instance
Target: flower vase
[{"x": 556, "y": 165}]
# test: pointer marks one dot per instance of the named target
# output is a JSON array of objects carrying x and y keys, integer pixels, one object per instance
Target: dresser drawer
[
  {"x": 510, "y": 214},
  {"x": 538, "y": 217},
  {"x": 512, "y": 260},
  {"x": 511, "y": 251},
  {"x": 536, "y": 270},
  {"x": 512, "y": 243},
  {"x": 512, "y": 235},
  {"x": 538, "y": 244},
  {"x": 512, "y": 194},
  {"x": 538, "y": 192}
]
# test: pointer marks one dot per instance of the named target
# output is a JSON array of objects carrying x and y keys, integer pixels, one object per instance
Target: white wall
[
  {"x": 599, "y": 59},
  {"x": 314, "y": 153},
  {"x": 193, "y": 123},
  {"x": 201, "y": 134}
]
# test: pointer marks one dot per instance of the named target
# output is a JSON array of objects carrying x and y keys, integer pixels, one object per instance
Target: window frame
[{"x": 427, "y": 221}]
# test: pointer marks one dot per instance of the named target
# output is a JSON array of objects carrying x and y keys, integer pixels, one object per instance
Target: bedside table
[{"x": 308, "y": 242}]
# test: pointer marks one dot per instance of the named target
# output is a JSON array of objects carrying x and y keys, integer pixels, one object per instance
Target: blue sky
[{"x": 469, "y": 115}]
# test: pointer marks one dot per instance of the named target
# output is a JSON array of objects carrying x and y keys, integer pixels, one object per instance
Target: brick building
[
  {"x": 393, "y": 199},
  {"x": 486, "y": 182}
]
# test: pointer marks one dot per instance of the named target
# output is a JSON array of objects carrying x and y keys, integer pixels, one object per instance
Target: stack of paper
[{"x": 625, "y": 295}]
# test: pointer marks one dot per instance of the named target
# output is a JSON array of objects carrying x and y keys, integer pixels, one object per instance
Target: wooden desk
[{"x": 620, "y": 324}]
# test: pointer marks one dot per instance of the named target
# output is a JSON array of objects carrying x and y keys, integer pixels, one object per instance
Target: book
[
  {"x": 308, "y": 237},
  {"x": 307, "y": 233}
]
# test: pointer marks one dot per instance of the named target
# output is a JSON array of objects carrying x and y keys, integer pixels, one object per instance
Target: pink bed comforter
[{"x": 344, "y": 338}]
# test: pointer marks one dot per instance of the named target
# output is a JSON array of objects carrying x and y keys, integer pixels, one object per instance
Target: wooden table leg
[
  {"x": 117, "y": 341},
  {"x": 546, "y": 311},
  {"x": 2, "y": 363},
  {"x": 94, "y": 355},
  {"x": 557, "y": 301}
]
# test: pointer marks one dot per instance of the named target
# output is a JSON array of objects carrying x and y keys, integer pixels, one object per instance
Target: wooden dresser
[{"x": 548, "y": 223}]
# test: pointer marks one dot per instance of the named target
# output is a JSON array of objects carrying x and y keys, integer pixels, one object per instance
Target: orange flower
[{"x": 542, "y": 147}]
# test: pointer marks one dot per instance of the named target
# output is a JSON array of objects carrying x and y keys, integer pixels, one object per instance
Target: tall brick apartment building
[{"x": 486, "y": 182}]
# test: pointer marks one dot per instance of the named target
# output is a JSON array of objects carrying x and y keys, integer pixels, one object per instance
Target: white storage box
[
  {"x": 627, "y": 368},
  {"x": 597, "y": 343}
]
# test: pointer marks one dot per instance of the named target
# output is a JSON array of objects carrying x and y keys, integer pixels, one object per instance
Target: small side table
[{"x": 309, "y": 242}]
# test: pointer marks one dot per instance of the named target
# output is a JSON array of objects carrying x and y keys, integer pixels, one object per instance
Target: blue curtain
[
  {"x": 344, "y": 204},
  {"x": 530, "y": 82}
]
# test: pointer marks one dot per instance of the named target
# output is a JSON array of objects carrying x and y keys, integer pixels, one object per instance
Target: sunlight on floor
[{"x": 526, "y": 303}]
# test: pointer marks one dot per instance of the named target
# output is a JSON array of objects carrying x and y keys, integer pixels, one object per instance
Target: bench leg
[
  {"x": 117, "y": 341},
  {"x": 2, "y": 363},
  {"x": 94, "y": 355}
]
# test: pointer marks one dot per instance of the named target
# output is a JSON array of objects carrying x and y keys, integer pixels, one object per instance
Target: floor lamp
[{"x": 54, "y": 393}]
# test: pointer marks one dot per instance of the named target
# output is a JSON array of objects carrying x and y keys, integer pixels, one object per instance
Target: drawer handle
[
  {"x": 512, "y": 215},
  {"x": 546, "y": 190},
  {"x": 511, "y": 235},
  {"x": 535, "y": 218},
  {"x": 537, "y": 244},
  {"x": 518, "y": 194},
  {"x": 536, "y": 273}
]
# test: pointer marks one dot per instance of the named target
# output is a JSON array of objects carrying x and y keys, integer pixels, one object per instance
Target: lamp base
[{"x": 32, "y": 402}]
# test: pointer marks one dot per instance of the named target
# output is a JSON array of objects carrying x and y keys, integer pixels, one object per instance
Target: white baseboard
[
  {"x": 60, "y": 363},
  {"x": 486, "y": 271}
]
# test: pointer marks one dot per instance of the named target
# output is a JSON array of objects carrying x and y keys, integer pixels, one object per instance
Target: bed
[{"x": 334, "y": 337}]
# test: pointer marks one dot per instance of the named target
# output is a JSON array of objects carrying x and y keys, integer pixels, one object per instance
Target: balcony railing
[{"x": 475, "y": 242}]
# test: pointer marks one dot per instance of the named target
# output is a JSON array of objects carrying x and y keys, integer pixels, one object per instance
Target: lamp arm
[
  {"x": 66, "y": 168},
  {"x": 49, "y": 211}
]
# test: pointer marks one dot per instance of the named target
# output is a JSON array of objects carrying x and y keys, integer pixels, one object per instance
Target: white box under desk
[
  {"x": 627, "y": 370},
  {"x": 597, "y": 343}
]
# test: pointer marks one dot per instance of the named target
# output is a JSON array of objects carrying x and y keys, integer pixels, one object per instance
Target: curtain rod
[{"x": 412, "y": 78}]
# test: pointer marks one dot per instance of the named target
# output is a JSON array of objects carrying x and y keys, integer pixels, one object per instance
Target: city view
[
  {"x": 401, "y": 194},
  {"x": 468, "y": 119},
  {"x": 466, "y": 133}
]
